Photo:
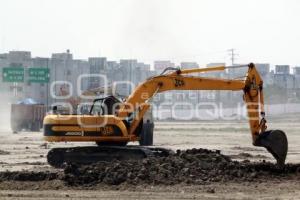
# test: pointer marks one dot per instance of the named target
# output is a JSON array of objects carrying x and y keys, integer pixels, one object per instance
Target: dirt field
[{"x": 27, "y": 151}]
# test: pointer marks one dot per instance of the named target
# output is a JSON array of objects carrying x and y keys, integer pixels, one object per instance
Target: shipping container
[{"x": 27, "y": 117}]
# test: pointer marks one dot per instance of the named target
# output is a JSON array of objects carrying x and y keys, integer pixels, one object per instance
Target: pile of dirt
[
  {"x": 28, "y": 176},
  {"x": 2, "y": 152},
  {"x": 195, "y": 166}
]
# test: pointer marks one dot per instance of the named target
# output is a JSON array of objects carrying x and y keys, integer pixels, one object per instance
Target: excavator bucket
[{"x": 275, "y": 141}]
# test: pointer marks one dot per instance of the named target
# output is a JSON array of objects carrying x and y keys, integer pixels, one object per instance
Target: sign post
[{"x": 13, "y": 75}]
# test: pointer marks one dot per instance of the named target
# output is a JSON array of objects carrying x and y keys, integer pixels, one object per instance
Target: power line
[{"x": 232, "y": 55}]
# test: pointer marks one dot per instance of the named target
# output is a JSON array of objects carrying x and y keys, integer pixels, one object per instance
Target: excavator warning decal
[{"x": 178, "y": 82}]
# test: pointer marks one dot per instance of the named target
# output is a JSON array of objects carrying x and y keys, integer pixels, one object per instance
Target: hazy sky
[{"x": 180, "y": 30}]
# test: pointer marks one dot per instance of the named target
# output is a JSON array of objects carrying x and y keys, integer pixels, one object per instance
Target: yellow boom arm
[{"x": 252, "y": 86}]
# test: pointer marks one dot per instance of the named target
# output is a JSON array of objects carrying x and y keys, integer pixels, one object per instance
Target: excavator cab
[{"x": 105, "y": 106}]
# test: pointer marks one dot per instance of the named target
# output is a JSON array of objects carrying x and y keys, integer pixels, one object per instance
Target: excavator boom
[{"x": 252, "y": 86}]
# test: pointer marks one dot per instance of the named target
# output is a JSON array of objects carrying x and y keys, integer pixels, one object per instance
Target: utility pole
[
  {"x": 47, "y": 86},
  {"x": 232, "y": 55}
]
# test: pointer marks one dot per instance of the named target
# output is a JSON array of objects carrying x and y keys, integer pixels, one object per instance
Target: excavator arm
[{"x": 252, "y": 86}]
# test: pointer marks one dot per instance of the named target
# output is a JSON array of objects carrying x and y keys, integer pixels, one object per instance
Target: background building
[{"x": 62, "y": 69}]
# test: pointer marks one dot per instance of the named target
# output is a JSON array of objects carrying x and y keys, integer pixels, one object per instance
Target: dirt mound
[
  {"x": 4, "y": 152},
  {"x": 27, "y": 176},
  {"x": 195, "y": 166}
]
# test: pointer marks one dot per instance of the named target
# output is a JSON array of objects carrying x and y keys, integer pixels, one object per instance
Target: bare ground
[
  {"x": 285, "y": 189},
  {"x": 27, "y": 151}
]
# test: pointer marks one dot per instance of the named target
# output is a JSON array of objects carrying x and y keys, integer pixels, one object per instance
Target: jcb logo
[
  {"x": 107, "y": 130},
  {"x": 179, "y": 83}
]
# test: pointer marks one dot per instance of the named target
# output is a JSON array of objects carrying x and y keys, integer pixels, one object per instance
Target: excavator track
[{"x": 59, "y": 157}]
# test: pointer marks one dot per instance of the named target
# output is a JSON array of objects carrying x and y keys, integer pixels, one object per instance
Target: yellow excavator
[{"x": 112, "y": 123}]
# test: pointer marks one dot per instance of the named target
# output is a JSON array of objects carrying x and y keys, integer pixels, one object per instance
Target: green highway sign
[
  {"x": 13, "y": 74},
  {"x": 38, "y": 75}
]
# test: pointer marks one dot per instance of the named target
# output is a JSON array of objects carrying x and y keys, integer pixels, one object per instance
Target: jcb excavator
[{"x": 112, "y": 123}]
